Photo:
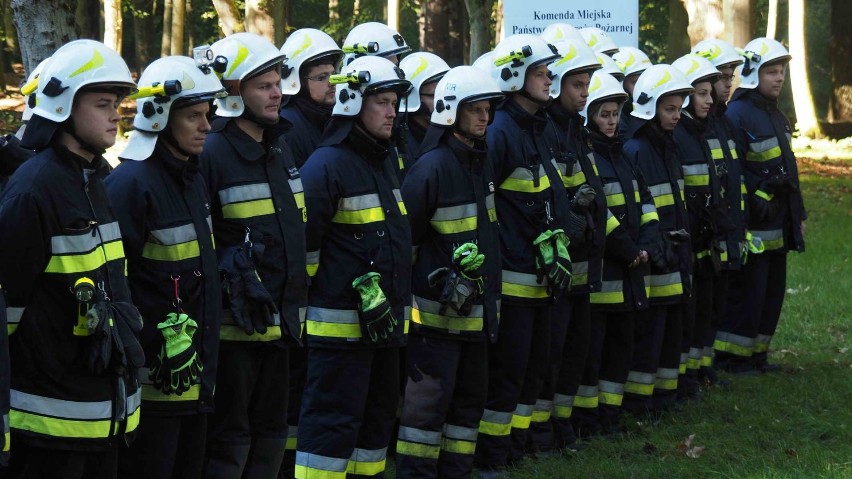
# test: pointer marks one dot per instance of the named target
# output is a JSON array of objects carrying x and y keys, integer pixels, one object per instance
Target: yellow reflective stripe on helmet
[
  {"x": 522, "y": 180},
  {"x": 306, "y": 42},
  {"x": 96, "y": 61},
  {"x": 242, "y": 54},
  {"x": 424, "y": 64}
]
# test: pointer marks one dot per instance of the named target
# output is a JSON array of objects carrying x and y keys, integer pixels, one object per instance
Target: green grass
[{"x": 794, "y": 424}]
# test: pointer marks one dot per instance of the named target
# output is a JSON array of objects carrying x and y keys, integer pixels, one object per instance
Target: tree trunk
[
  {"x": 43, "y": 26},
  {"x": 356, "y": 10},
  {"x": 230, "y": 20},
  {"x": 806, "y": 120},
  {"x": 705, "y": 19},
  {"x": 479, "y": 12},
  {"x": 840, "y": 104},
  {"x": 166, "y": 47},
  {"x": 498, "y": 27},
  {"x": 393, "y": 15},
  {"x": 435, "y": 28},
  {"x": 281, "y": 21},
  {"x": 259, "y": 19},
  {"x": 178, "y": 27},
  {"x": 113, "y": 18},
  {"x": 739, "y": 28},
  {"x": 190, "y": 36},
  {"x": 678, "y": 41},
  {"x": 9, "y": 28},
  {"x": 88, "y": 15},
  {"x": 333, "y": 11},
  {"x": 143, "y": 25},
  {"x": 459, "y": 35},
  {"x": 772, "y": 19}
]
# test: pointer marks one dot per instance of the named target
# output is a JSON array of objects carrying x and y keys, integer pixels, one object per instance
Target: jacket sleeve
[
  {"x": 24, "y": 244},
  {"x": 649, "y": 224},
  {"x": 420, "y": 194},
  {"x": 131, "y": 209},
  {"x": 321, "y": 195},
  {"x": 619, "y": 245},
  {"x": 497, "y": 152},
  {"x": 5, "y": 374}
]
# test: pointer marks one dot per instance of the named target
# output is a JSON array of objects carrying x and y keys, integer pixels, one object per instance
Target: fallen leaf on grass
[
  {"x": 843, "y": 350},
  {"x": 688, "y": 449},
  {"x": 737, "y": 409},
  {"x": 786, "y": 351},
  {"x": 791, "y": 452}
]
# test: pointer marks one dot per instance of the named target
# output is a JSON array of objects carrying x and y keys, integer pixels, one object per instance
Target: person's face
[
  {"x": 724, "y": 83},
  {"x": 628, "y": 84},
  {"x": 377, "y": 114},
  {"x": 189, "y": 127},
  {"x": 668, "y": 111},
  {"x": 537, "y": 83},
  {"x": 319, "y": 88},
  {"x": 473, "y": 117},
  {"x": 95, "y": 116},
  {"x": 771, "y": 80},
  {"x": 575, "y": 91},
  {"x": 607, "y": 118},
  {"x": 427, "y": 96},
  {"x": 702, "y": 100},
  {"x": 262, "y": 95}
]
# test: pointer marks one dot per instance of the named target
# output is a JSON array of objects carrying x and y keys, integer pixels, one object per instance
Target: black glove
[
  {"x": 252, "y": 307},
  {"x": 779, "y": 183},
  {"x": 583, "y": 198},
  {"x": 577, "y": 225},
  {"x": 457, "y": 290},
  {"x": 677, "y": 236},
  {"x": 663, "y": 256},
  {"x": 762, "y": 207},
  {"x": 101, "y": 329}
]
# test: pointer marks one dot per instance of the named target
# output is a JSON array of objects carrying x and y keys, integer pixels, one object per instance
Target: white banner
[{"x": 618, "y": 18}]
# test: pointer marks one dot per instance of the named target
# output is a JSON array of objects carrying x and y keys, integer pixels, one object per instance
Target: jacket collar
[
  {"x": 534, "y": 122},
  {"x": 244, "y": 145},
  {"x": 182, "y": 171}
]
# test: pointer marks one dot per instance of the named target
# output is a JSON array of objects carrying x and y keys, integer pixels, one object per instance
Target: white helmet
[
  {"x": 304, "y": 46},
  {"x": 247, "y": 54},
  {"x": 373, "y": 38},
  {"x": 29, "y": 90},
  {"x": 603, "y": 88},
  {"x": 74, "y": 66},
  {"x": 653, "y": 84},
  {"x": 696, "y": 68},
  {"x": 515, "y": 55},
  {"x": 575, "y": 58},
  {"x": 631, "y": 60},
  {"x": 168, "y": 83},
  {"x": 598, "y": 40},
  {"x": 608, "y": 65},
  {"x": 757, "y": 53},
  {"x": 559, "y": 32},
  {"x": 719, "y": 52},
  {"x": 461, "y": 85},
  {"x": 365, "y": 76},
  {"x": 421, "y": 68}
]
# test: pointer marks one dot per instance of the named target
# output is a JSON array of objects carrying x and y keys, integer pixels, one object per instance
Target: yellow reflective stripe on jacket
[
  {"x": 152, "y": 393},
  {"x": 314, "y": 466},
  {"x": 172, "y": 244},
  {"x": 312, "y": 259},
  {"x": 732, "y": 147},
  {"x": 81, "y": 263},
  {"x": 69, "y": 419},
  {"x": 13, "y": 318},
  {"x": 495, "y": 423},
  {"x": 696, "y": 175},
  {"x": 587, "y": 397},
  {"x": 523, "y": 181},
  {"x": 612, "y": 292},
  {"x": 367, "y": 462},
  {"x": 426, "y": 312},
  {"x": 523, "y": 285},
  {"x": 611, "y": 222},
  {"x": 563, "y": 406},
  {"x": 418, "y": 443},
  {"x": 610, "y": 393},
  {"x": 299, "y": 196},
  {"x": 6, "y": 436},
  {"x": 580, "y": 273},
  {"x": 358, "y": 210},
  {"x": 668, "y": 284},
  {"x": 455, "y": 219},
  {"x": 666, "y": 379},
  {"x": 734, "y": 344},
  {"x": 614, "y": 194},
  {"x": 765, "y": 150},
  {"x": 399, "y": 203},
  {"x": 246, "y": 201},
  {"x": 459, "y": 440},
  {"x": 640, "y": 383},
  {"x": 762, "y": 194},
  {"x": 333, "y": 323},
  {"x": 761, "y": 343},
  {"x": 649, "y": 214},
  {"x": 230, "y": 331},
  {"x": 489, "y": 205},
  {"x": 715, "y": 148},
  {"x": 772, "y": 239},
  {"x": 573, "y": 178},
  {"x": 522, "y": 416},
  {"x": 662, "y": 194}
]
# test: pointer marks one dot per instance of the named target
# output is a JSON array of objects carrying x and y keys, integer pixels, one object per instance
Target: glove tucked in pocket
[{"x": 374, "y": 310}]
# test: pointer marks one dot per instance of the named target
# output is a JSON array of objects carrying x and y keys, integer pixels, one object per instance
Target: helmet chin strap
[{"x": 68, "y": 127}]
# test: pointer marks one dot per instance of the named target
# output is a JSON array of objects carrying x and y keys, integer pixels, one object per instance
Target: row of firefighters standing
[{"x": 571, "y": 264}]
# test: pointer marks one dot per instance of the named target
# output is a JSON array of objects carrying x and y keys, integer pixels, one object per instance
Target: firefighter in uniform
[
  {"x": 729, "y": 169},
  {"x": 630, "y": 232},
  {"x": 359, "y": 257},
  {"x": 776, "y": 211},
  {"x": 455, "y": 282},
  {"x": 163, "y": 209},
  {"x": 258, "y": 213},
  {"x": 569, "y": 327},
  {"x": 657, "y": 101},
  {"x": 531, "y": 207},
  {"x": 709, "y": 223},
  {"x": 74, "y": 392},
  {"x": 312, "y": 57},
  {"x": 423, "y": 70}
]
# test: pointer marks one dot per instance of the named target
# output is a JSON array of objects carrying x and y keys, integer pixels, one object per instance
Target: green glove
[
  {"x": 374, "y": 311},
  {"x": 560, "y": 273},
  {"x": 468, "y": 260},
  {"x": 543, "y": 256},
  {"x": 177, "y": 367}
]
